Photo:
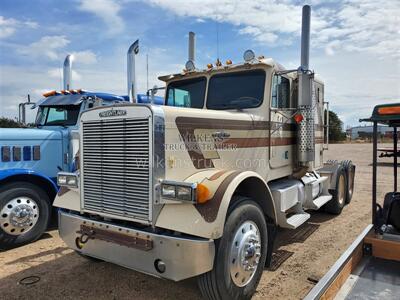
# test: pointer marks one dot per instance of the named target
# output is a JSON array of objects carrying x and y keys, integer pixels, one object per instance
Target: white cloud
[
  {"x": 107, "y": 10},
  {"x": 47, "y": 46},
  {"x": 85, "y": 57},
  {"x": 356, "y": 25},
  {"x": 9, "y": 26}
]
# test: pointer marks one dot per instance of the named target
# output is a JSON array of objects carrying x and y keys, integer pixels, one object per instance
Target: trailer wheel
[
  {"x": 24, "y": 214},
  {"x": 350, "y": 170},
  {"x": 338, "y": 201},
  {"x": 240, "y": 255}
]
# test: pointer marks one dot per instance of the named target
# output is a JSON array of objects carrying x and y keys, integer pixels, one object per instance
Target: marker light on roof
[
  {"x": 248, "y": 55},
  {"x": 48, "y": 94},
  {"x": 228, "y": 62},
  {"x": 209, "y": 66},
  {"x": 218, "y": 63},
  {"x": 190, "y": 65},
  {"x": 389, "y": 110}
]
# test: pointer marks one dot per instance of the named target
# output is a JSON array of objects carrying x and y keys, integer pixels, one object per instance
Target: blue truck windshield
[{"x": 66, "y": 115}]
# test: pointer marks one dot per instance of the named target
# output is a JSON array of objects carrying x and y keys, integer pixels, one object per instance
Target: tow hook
[{"x": 83, "y": 238}]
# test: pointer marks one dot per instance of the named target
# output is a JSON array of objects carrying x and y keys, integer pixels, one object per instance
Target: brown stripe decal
[
  {"x": 209, "y": 210},
  {"x": 217, "y": 175},
  {"x": 257, "y": 142},
  {"x": 187, "y": 126}
]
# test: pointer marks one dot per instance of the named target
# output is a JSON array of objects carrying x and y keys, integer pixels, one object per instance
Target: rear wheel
[
  {"x": 350, "y": 171},
  {"x": 24, "y": 214},
  {"x": 240, "y": 255},
  {"x": 335, "y": 206}
]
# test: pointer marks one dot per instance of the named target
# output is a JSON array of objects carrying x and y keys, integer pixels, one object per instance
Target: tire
[
  {"x": 338, "y": 201},
  {"x": 350, "y": 170},
  {"x": 218, "y": 283},
  {"x": 33, "y": 206}
]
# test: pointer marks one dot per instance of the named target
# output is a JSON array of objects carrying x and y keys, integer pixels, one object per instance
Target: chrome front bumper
[{"x": 183, "y": 257}]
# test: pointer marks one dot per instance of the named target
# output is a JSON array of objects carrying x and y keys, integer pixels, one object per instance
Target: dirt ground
[{"x": 64, "y": 274}]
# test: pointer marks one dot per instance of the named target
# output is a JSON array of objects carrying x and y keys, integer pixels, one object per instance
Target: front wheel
[
  {"x": 336, "y": 204},
  {"x": 24, "y": 214},
  {"x": 240, "y": 255}
]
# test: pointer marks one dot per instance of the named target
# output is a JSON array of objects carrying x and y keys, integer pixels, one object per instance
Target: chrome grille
[{"x": 116, "y": 172}]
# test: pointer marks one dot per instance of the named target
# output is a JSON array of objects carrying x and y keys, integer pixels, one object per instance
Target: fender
[
  {"x": 9, "y": 174},
  {"x": 207, "y": 220}
]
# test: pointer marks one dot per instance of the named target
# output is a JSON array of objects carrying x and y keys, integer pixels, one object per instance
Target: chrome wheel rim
[
  {"x": 19, "y": 215},
  {"x": 245, "y": 253},
  {"x": 341, "y": 189}
]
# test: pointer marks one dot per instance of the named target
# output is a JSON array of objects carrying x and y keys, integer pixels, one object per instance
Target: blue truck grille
[{"x": 115, "y": 167}]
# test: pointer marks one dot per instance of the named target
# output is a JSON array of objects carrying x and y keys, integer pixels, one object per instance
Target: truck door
[{"x": 282, "y": 139}]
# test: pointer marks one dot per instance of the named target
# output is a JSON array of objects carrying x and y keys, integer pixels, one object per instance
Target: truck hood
[{"x": 29, "y": 134}]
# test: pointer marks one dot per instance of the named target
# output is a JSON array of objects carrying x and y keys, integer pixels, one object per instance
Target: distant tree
[
  {"x": 10, "y": 123},
  {"x": 336, "y": 133}
]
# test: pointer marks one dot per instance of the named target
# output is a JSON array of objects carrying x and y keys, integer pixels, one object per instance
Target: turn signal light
[
  {"x": 298, "y": 118},
  {"x": 203, "y": 193},
  {"x": 389, "y": 110}
]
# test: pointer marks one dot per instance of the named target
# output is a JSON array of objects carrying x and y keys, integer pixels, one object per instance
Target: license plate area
[{"x": 128, "y": 238}]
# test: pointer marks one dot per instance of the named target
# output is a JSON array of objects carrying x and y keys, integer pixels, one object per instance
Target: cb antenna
[
  {"x": 147, "y": 71},
  {"x": 218, "y": 61}
]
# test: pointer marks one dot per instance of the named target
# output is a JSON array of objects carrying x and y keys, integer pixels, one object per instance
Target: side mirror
[
  {"x": 283, "y": 94},
  {"x": 154, "y": 90}
]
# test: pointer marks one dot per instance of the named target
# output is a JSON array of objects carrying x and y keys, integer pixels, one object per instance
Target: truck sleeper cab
[{"x": 197, "y": 187}]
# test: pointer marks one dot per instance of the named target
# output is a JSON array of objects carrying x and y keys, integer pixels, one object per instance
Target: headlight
[
  {"x": 179, "y": 191},
  {"x": 168, "y": 191},
  {"x": 184, "y": 193},
  {"x": 67, "y": 179}
]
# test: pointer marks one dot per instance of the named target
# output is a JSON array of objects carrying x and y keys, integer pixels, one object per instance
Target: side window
[
  {"x": 187, "y": 93},
  {"x": 56, "y": 115},
  {"x": 280, "y": 92},
  {"x": 178, "y": 97}
]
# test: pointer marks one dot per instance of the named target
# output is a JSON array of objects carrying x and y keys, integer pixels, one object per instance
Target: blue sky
[{"x": 355, "y": 44}]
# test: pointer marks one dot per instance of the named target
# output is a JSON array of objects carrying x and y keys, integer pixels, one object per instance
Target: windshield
[
  {"x": 187, "y": 93},
  {"x": 65, "y": 115},
  {"x": 236, "y": 90}
]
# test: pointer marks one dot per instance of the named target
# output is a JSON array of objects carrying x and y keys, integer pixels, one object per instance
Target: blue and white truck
[{"x": 30, "y": 158}]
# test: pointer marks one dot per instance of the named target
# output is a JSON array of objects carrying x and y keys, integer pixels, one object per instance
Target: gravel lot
[{"x": 64, "y": 274}]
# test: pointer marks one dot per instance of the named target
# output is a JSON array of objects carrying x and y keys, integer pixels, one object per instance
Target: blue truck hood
[{"x": 29, "y": 134}]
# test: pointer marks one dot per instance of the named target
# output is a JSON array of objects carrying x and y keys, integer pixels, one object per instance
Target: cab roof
[
  {"x": 75, "y": 99},
  {"x": 261, "y": 61}
]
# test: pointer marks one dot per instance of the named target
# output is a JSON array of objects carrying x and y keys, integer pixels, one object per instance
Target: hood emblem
[{"x": 112, "y": 113}]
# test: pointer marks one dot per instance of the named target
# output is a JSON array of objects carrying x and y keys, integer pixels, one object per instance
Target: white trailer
[{"x": 198, "y": 186}]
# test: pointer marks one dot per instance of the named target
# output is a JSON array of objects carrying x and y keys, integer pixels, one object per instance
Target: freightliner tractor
[
  {"x": 31, "y": 158},
  {"x": 197, "y": 187}
]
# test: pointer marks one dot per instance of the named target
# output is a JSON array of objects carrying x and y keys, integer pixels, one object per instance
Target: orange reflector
[
  {"x": 48, "y": 94},
  {"x": 203, "y": 193},
  {"x": 228, "y": 62},
  {"x": 209, "y": 66},
  {"x": 389, "y": 110},
  {"x": 298, "y": 118}
]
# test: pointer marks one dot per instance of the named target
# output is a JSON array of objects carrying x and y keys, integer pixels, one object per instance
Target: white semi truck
[{"x": 198, "y": 186}]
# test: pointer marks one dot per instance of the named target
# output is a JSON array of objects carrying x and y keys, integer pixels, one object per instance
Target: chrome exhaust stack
[
  {"x": 131, "y": 72},
  {"x": 67, "y": 73},
  {"x": 192, "y": 46},
  {"x": 306, "y": 134}
]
